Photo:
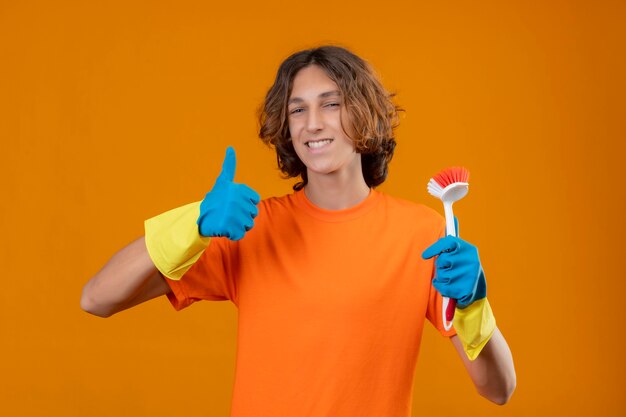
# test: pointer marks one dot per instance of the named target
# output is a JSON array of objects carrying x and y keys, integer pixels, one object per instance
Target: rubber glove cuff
[
  {"x": 474, "y": 325},
  {"x": 173, "y": 241}
]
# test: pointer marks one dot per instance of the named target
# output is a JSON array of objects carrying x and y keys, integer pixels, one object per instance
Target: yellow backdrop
[{"x": 112, "y": 112}]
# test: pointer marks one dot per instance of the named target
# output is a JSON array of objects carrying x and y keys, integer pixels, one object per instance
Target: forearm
[
  {"x": 127, "y": 279},
  {"x": 493, "y": 371}
]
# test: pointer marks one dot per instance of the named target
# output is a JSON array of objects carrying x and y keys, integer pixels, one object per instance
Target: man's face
[{"x": 316, "y": 116}]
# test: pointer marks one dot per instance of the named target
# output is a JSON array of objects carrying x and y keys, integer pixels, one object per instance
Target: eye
[
  {"x": 296, "y": 110},
  {"x": 332, "y": 104}
]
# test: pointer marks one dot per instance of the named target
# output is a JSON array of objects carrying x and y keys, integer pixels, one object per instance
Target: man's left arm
[{"x": 486, "y": 355}]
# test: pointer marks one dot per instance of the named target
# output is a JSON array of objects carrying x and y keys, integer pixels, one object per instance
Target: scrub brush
[{"x": 449, "y": 185}]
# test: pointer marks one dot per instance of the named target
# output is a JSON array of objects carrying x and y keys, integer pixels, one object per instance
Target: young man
[{"x": 334, "y": 282}]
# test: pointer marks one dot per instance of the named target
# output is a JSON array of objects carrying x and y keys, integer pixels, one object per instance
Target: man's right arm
[
  {"x": 127, "y": 279},
  {"x": 175, "y": 240}
]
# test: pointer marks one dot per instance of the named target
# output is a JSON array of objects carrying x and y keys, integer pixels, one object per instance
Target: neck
[{"x": 338, "y": 190}]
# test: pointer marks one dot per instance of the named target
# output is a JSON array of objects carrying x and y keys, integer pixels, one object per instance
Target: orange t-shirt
[{"x": 331, "y": 305}]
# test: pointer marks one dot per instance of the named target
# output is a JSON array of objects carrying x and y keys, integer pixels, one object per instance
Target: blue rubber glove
[
  {"x": 459, "y": 274},
  {"x": 228, "y": 209}
]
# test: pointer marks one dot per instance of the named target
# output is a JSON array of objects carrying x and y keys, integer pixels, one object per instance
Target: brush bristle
[
  {"x": 434, "y": 189},
  {"x": 451, "y": 175}
]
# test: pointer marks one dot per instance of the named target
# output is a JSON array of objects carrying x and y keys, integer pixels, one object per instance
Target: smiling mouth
[{"x": 314, "y": 144}]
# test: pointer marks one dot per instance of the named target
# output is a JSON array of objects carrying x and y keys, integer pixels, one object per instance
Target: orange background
[{"x": 112, "y": 112}]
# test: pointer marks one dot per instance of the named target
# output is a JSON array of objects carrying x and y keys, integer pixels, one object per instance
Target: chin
[{"x": 318, "y": 171}]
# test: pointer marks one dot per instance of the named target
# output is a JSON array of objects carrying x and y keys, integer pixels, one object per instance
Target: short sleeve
[
  {"x": 435, "y": 300},
  {"x": 211, "y": 278}
]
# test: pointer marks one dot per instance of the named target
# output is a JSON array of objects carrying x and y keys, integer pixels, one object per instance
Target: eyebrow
[{"x": 322, "y": 95}]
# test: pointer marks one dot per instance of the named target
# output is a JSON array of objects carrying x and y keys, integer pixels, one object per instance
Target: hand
[
  {"x": 459, "y": 274},
  {"x": 228, "y": 209}
]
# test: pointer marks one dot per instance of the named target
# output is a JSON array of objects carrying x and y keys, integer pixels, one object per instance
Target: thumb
[
  {"x": 229, "y": 165},
  {"x": 445, "y": 244},
  {"x": 456, "y": 226}
]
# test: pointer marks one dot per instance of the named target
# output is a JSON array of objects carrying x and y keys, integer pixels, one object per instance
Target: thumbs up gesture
[{"x": 229, "y": 208}]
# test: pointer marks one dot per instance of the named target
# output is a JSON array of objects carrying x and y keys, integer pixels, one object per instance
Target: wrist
[
  {"x": 173, "y": 241},
  {"x": 475, "y": 325}
]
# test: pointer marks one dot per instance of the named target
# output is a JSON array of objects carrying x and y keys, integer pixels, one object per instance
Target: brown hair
[{"x": 372, "y": 113}]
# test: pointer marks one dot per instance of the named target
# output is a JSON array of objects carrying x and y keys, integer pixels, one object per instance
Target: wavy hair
[{"x": 373, "y": 115}]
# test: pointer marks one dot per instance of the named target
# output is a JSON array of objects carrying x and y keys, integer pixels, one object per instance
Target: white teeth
[{"x": 319, "y": 143}]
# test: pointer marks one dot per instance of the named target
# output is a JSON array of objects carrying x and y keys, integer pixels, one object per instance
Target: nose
[{"x": 314, "y": 121}]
